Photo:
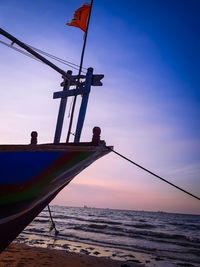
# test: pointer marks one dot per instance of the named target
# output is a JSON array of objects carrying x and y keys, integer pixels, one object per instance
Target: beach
[
  {"x": 106, "y": 237},
  {"x": 22, "y": 255}
]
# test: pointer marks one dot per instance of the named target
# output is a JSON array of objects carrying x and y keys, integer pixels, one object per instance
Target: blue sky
[{"x": 148, "y": 108}]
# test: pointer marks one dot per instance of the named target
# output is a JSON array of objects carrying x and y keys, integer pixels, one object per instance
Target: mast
[{"x": 79, "y": 73}]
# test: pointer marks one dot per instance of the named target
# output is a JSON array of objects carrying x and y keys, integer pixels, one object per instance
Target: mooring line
[{"x": 152, "y": 173}]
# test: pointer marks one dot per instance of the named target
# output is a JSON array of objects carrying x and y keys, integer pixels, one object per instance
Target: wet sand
[{"x": 19, "y": 255}]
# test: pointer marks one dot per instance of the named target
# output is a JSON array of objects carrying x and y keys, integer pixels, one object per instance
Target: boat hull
[{"x": 32, "y": 175}]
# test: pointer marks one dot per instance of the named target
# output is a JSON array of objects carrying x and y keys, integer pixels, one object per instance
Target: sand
[{"x": 20, "y": 255}]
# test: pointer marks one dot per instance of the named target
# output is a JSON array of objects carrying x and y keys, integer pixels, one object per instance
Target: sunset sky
[{"x": 148, "y": 107}]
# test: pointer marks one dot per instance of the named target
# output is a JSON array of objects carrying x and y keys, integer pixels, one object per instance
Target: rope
[
  {"x": 70, "y": 109},
  {"x": 20, "y": 51},
  {"x": 164, "y": 180},
  {"x": 65, "y": 62},
  {"x": 56, "y": 58},
  {"x": 52, "y": 222}
]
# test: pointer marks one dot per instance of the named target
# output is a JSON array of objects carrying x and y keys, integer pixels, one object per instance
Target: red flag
[{"x": 80, "y": 17}]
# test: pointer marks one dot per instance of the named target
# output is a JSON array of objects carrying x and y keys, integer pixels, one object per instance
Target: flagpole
[{"x": 79, "y": 73}]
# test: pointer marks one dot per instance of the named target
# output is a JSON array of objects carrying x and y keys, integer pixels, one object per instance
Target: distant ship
[{"x": 32, "y": 175}]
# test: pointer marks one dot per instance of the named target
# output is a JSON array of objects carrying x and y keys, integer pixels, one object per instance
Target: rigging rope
[
  {"x": 164, "y": 180},
  {"x": 65, "y": 62},
  {"x": 70, "y": 109},
  {"x": 55, "y": 58},
  {"x": 20, "y": 51}
]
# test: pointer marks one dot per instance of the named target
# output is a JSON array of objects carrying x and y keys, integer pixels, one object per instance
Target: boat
[{"x": 32, "y": 175}]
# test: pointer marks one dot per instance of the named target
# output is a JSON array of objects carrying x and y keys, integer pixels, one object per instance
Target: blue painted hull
[{"x": 31, "y": 176}]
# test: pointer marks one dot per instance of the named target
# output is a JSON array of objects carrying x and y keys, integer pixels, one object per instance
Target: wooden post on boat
[
  {"x": 84, "y": 90},
  {"x": 61, "y": 113},
  {"x": 83, "y": 106},
  {"x": 34, "y": 136}
]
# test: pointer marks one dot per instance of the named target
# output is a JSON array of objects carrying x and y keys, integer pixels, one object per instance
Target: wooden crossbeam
[{"x": 72, "y": 92}]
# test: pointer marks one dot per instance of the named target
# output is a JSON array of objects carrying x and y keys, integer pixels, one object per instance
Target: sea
[{"x": 149, "y": 238}]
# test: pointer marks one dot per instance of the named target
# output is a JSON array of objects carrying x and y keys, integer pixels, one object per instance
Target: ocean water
[{"x": 151, "y": 238}]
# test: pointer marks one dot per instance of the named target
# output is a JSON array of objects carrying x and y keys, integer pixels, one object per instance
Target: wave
[
  {"x": 114, "y": 228},
  {"x": 148, "y": 235},
  {"x": 41, "y": 221},
  {"x": 65, "y": 217},
  {"x": 145, "y": 226},
  {"x": 97, "y": 226}
]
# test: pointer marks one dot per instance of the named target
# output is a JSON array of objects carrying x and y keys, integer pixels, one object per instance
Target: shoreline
[{"x": 18, "y": 254}]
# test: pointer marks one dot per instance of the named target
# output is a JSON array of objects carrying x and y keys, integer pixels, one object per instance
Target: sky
[{"x": 148, "y": 107}]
